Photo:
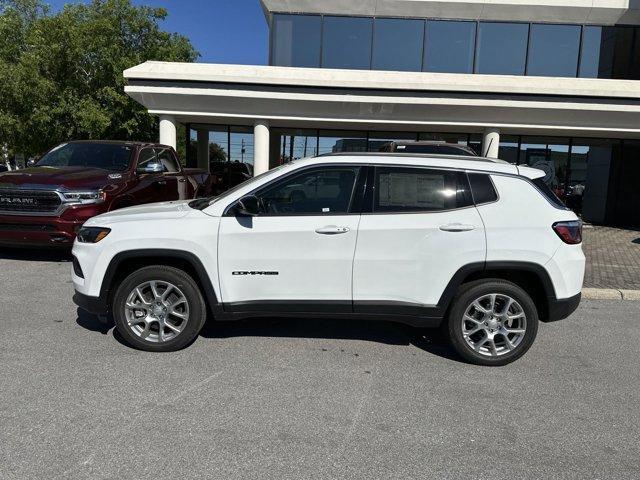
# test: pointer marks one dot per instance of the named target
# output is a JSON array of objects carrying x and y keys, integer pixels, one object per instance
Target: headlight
[
  {"x": 83, "y": 198},
  {"x": 92, "y": 234}
]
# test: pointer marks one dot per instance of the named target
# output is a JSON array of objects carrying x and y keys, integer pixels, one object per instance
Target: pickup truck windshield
[{"x": 90, "y": 155}]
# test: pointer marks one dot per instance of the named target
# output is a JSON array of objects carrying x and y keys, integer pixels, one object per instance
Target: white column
[
  {"x": 260, "y": 147},
  {"x": 203, "y": 149},
  {"x": 491, "y": 142},
  {"x": 168, "y": 130}
]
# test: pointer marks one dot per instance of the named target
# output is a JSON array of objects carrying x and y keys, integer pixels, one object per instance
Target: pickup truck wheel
[
  {"x": 159, "y": 309},
  {"x": 492, "y": 322}
]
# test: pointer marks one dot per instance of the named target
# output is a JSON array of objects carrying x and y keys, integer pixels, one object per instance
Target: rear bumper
[
  {"x": 94, "y": 305},
  {"x": 559, "y": 309}
]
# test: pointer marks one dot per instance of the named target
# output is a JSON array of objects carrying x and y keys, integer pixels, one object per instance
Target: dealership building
[{"x": 553, "y": 84}]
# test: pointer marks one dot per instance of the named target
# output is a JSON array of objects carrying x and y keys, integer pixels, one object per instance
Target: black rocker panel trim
[{"x": 289, "y": 306}]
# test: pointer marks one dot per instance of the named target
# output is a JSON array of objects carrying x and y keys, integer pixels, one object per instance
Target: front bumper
[
  {"x": 94, "y": 305},
  {"x": 45, "y": 231}
]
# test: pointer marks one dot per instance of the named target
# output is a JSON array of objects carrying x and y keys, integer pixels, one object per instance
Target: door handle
[
  {"x": 332, "y": 230},
  {"x": 161, "y": 182},
  {"x": 457, "y": 227}
]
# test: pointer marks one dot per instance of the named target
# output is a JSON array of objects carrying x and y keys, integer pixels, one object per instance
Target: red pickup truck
[{"x": 45, "y": 204}]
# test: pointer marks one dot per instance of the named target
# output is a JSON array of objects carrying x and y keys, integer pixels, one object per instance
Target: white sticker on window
[{"x": 325, "y": 209}]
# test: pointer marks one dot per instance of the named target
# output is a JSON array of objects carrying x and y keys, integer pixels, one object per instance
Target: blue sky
[{"x": 223, "y": 31}]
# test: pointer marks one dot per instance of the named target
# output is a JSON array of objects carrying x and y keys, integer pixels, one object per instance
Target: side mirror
[
  {"x": 31, "y": 162},
  {"x": 151, "y": 167},
  {"x": 248, "y": 206}
]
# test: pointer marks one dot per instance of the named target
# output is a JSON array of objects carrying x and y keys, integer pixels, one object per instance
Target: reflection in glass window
[
  {"x": 551, "y": 155},
  {"x": 502, "y": 48},
  {"x": 553, "y": 50},
  {"x": 588, "y": 186},
  {"x": 346, "y": 42},
  {"x": 508, "y": 150},
  {"x": 293, "y": 144},
  {"x": 475, "y": 142},
  {"x": 449, "y": 46},
  {"x": 459, "y": 138},
  {"x": 397, "y": 44},
  {"x": 377, "y": 140},
  {"x": 609, "y": 52},
  {"x": 333, "y": 141},
  {"x": 241, "y": 145},
  {"x": 590, "y": 59},
  {"x": 296, "y": 40}
]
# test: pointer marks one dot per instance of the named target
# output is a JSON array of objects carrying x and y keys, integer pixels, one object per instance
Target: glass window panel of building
[
  {"x": 346, "y": 42},
  {"x": 457, "y": 138},
  {"x": 508, "y": 149},
  {"x": 218, "y": 143},
  {"x": 333, "y": 141},
  {"x": 551, "y": 155},
  {"x": 502, "y": 48},
  {"x": 397, "y": 44},
  {"x": 293, "y": 144},
  {"x": 610, "y": 52},
  {"x": 554, "y": 50},
  {"x": 590, "y": 168},
  {"x": 449, "y": 46},
  {"x": 296, "y": 40},
  {"x": 241, "y": 145}
]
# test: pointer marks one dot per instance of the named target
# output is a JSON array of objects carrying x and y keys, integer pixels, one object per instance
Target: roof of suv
[{"x": 483, "y": 164}]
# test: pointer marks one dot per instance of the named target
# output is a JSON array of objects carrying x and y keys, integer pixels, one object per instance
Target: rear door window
[{"x": 405, "y": 189}]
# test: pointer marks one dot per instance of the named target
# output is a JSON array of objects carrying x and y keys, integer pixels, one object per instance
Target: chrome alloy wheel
[
  {"x": 156, "y": 311},
  {"x": 494, "y": 325}
]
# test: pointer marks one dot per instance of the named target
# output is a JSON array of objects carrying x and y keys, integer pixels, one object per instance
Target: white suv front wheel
[
  {"x": 492, "y": 322},
  {"x": 159, "y": 309}
]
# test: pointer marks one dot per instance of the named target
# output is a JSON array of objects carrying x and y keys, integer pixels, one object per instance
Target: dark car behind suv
[
  {"x": 431, "y": 147},
  {"x": 46, "y": 203}
]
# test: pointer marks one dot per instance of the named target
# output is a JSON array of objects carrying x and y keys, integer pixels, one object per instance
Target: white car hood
[{"x": 151, "y": 211}]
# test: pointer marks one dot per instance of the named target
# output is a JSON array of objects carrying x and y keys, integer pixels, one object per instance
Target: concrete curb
[{"x": 610, "y": 294}]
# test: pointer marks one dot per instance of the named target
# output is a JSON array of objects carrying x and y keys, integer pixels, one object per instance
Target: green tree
[{"x": 61, "y": 74}]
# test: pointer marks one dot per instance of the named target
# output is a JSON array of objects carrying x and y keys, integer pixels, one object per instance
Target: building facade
[{"x": 554, "y": 84}]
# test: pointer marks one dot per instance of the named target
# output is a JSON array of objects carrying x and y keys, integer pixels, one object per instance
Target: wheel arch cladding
[{"x": 125, "y": 263}]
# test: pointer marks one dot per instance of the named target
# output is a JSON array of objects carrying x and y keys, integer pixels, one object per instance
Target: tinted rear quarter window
[
  {"x": 548, "y": 193},
  {"x": 482, "y": 188}
]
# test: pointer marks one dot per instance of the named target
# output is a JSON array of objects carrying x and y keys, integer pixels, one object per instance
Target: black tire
[
  {"x": 188, "y": 287},
  {"x": 463, "y": 300}
]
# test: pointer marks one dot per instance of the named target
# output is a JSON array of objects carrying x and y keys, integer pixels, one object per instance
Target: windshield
[
  {"x": 91, "y": 155},
  {"x": 203, "y": 203}
]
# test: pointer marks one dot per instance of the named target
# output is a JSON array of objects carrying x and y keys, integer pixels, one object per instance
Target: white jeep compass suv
[{"x": 479, "y": 247}]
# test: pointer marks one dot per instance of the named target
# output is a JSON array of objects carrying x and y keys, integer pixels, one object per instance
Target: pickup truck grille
[{"x": 26, "y": 202}]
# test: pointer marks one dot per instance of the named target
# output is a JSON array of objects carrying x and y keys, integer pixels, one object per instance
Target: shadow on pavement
[
  {"x": 35, "y": 254},
  {"x": 93, "y": 322},
  {"x": 388, "y": 333}
]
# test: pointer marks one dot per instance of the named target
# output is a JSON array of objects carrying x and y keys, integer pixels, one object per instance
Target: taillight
[{"x": 569, "y": 232}]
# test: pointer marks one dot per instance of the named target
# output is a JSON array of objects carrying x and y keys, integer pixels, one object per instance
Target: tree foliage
[{"x": 61, "y": 74}]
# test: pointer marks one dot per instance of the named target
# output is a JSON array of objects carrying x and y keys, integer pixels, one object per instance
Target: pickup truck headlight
[
  {"x": 92, "y": 234},
  {"x": 83, "y": 198}
]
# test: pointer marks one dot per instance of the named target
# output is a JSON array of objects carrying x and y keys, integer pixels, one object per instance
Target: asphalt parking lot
[{"x": 306, "y": 399}]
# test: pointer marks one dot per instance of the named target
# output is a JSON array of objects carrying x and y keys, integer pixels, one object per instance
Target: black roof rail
[{"x": 416, "y": 155}]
